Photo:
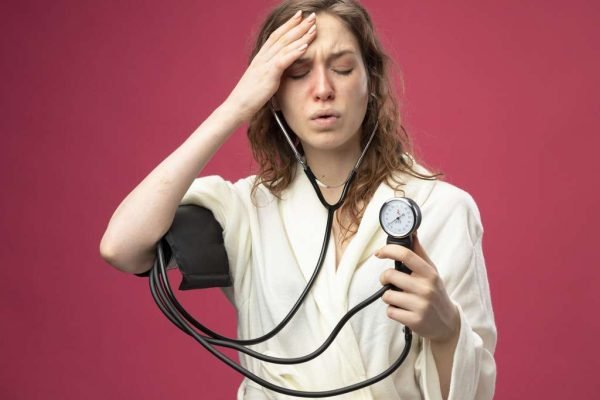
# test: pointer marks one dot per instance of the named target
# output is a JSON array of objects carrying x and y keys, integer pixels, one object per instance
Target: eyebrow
[{"x": 331, "y": 57}]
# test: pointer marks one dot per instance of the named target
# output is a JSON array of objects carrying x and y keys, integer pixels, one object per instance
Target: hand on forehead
[{"x": 333, "y": 40}]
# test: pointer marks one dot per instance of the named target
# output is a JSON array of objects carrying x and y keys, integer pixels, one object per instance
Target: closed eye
[
  {"x": 337, "y": 71},
  {"x": 344, "y": 72},
  {"x": 298, "y": 76}
]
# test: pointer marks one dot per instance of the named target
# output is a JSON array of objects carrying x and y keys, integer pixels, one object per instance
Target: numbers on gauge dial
[{"x": 397, "y": 218}]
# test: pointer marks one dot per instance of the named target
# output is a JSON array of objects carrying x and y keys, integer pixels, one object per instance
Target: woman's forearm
[
  {"x": 146, "y": 214},
  {"x": 443, "y": 353}
]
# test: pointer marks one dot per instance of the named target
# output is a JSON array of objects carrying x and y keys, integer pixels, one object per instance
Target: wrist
[
  {"x": 225, "y": 119},
  {"x": 237, "y": 110},
  {"x": 453, "y": 329}
]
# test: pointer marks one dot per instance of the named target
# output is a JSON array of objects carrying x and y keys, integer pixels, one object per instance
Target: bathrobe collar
[{"x": 305, "y": 221}]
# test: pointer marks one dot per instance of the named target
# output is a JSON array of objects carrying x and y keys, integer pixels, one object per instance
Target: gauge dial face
[{"x": 397, "y": 217}]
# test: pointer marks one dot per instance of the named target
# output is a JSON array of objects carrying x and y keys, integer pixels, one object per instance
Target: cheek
[
  {"x": 290, "y": 105},
  {"x": 288, "y": 100},
  {"x": 281, "y": 97},
  {"x": 359, "y": 99}
]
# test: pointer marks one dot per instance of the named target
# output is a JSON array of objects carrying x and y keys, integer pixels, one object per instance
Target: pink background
[{"x": 501, "y": 96}]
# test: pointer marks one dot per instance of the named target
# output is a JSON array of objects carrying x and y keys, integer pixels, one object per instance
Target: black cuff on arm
[{"x": 195, "y": 239}]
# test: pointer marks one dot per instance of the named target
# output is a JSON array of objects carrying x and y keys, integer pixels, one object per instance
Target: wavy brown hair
[{"x": 386, "y": 155}]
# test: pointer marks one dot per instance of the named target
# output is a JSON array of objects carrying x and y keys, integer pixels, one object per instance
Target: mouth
[
  {"x": 325, "y": 118},
  {"x": 325, "y": 115}
]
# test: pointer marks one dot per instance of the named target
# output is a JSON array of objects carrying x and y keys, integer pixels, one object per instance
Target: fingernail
[
  {"x": 311, "y": 17},
  {"x": 298, "y": 14},
  {"x": 312, "y": 29}
]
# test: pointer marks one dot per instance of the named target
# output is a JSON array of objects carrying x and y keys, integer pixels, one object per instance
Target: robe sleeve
[
  {"x": 465, "y": 278},
  {"x": 229, "y": 204}
]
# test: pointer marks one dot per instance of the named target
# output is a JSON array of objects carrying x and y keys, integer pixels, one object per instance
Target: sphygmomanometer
[{"x": 195, "y": 245}]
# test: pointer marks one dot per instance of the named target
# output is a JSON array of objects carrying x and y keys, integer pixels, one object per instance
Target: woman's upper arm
[{"x": 230, "y": 204}]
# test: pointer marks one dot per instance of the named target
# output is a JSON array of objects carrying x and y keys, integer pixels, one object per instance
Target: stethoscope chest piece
[{"x": 400, "y": 218}]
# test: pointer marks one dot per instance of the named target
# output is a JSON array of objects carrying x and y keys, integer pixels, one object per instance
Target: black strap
[{"x": 195, "y": 239}]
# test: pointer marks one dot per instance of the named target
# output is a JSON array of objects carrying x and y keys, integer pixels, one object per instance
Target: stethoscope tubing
[
  {"x": 164, "y": 297},
  {"x": 171, "y": 312},
  {"x": 284, "y": 321}
]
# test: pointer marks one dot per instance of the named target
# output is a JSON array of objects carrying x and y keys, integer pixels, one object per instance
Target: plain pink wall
[{"x": 501, "y": 96}]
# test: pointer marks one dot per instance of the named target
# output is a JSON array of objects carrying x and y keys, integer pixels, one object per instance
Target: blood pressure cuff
[{"x": 195, "y": 242}]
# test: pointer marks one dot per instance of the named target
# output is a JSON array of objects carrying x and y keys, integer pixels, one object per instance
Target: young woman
[{"x": 319, "y": 65}]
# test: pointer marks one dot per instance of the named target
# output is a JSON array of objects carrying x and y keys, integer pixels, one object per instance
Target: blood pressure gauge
[{"x": 400, "y": 218}]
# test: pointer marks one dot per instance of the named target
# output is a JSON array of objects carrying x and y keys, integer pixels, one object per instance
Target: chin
[{"x": 328, "y": 141}]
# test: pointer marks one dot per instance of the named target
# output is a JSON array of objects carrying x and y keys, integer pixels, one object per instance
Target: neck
[{"x": 332, "y": 168}]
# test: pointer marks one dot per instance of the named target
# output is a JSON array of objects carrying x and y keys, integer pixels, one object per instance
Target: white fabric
[{"x": 273, "y": 246}]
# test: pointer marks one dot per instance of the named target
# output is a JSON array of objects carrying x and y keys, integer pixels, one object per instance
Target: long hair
[{"x": 390, "y": 147}]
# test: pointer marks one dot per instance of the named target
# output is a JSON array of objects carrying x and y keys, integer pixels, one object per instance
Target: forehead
[{"x": 332, "y": 37}]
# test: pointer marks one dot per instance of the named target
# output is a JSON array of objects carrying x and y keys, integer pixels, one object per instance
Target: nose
[{"x": 322, "y": 86}]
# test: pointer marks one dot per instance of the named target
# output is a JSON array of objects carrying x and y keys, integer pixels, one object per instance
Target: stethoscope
[{"x": 399, "y": 217}]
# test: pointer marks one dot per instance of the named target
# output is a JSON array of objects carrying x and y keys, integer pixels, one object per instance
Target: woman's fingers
[
  {"x": 423, "y": 304},
  {"x": 405, "y": 317},
  {"x": 263, "y": 76},
  {"x": 286, "y": 57},
  {"x": 402, "y": 281},
  {"x": 292, "y": 38},
  {"x": 403, "y": 300},
  {"x": 279, "y": 32},
  {"x": 420, "y": 251},
  {"x": 411, "y": 259},
  {"x": 405, "y": 308}
]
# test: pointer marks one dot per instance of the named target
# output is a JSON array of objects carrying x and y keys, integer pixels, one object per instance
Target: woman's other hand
[
  {"x": 262, "y": 78},
  {"x": 422, "y": 303}
]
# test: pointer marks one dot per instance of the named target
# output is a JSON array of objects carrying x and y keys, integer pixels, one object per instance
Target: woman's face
[{"x": 323, "y": 95}]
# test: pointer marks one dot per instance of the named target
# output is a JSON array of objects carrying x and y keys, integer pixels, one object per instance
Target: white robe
[{"x": 273, "y": 246}]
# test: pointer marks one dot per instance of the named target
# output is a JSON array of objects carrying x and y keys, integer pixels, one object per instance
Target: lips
[
  {"x": 325, "y": 114},
  {"x": 323, "y": 120}
]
